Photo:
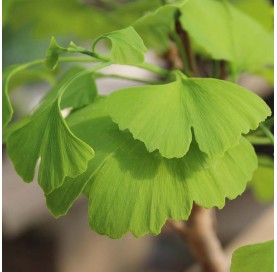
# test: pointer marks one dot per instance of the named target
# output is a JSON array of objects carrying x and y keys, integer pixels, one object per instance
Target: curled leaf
[
  {"x": 45, "y": 135},
  {"x": 127, "y": 46}
]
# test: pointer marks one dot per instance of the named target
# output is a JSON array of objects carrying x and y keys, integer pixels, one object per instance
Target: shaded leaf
[
  {"x": 262, "y": 183},
  {"x": 79, "y": 93},
  {"x": 133, "y": 190},
  {"x": 163, "y": 116},
  {"x": 229, "y": 34},
  {"x": 127, "y": 46},
  {"x": 254, "y": 258},
  {"x": 155, "y": 27}
]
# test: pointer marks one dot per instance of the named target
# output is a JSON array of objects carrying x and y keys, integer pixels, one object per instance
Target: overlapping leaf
[
  {"x": 254, "y": 258},
  {"x": 133, "y": 190},
  {"x": 127, "y": 46},
  {"x": 164, "y": 116},
  {"x": 45, "y": 135},
  {"x": 227, "y": 33},
  {"x": 263, "y": 180}
]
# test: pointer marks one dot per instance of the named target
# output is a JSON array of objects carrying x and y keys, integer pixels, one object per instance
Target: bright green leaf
[
  {"x": 254, "y": 258},
  {"x": 229, "y": 34},
  {"x": 45, "y": 135},
  {"x": 262, "y": 183},
  {"x": 127, "y": 46},
  {"x": 133, "y": 190},
  {"x": 164, "y": 116},
  {"x": 260, "y": 10}
]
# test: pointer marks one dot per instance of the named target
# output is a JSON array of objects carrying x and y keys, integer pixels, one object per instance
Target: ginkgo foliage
[{"x": 145, "y": 154}]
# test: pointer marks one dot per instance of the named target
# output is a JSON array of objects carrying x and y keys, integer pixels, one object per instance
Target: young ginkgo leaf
[
  {"x": 254, "y": 258},
  {"x": 227, "y": 33},
  {"x": 164, "y": 116},
  {"x": 53, "y": 53},
  {"x": 127, "y": 46},
  {"x": 133, "y": 190},
  {"x": 45, "y": 135}
]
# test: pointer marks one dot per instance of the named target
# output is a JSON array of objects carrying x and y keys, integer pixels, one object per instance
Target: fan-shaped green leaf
[
  {"x": 163, "y": 116},
  {"x": 45, "y": 135},
  {"x": 48, "y": 137},
  {"x": 133, "y": 190},
  {"x": 254, "y": 258},
  {"x": 127, "y": 46},
  {"x": 228, "y": 34}
]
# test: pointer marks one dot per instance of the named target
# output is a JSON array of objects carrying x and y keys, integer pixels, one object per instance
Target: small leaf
[
  {"x": 133, "y": 190},
  {"x": 163, "y": 116},
  {"x": 53, "y": 53},
  {"x": 127, "y": 46},
  {"x": 262, "y": 183},
  {"x": 254, "y": 258},
  {"x": 229, "y": 34}
]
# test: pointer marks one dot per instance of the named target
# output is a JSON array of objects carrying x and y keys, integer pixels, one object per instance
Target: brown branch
[
  {"x": 223, "y": 73},
  {"x": 200, "y": 234},
  {"x": 187, "y": 46}
]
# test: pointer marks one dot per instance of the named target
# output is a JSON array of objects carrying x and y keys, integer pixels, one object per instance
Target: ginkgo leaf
[
  {"x": 53, "y": 53},
  {"x": 79, "y": 93},
  {"x": 11, "y": 79},
  {"x": 133, "y": 190},
  {"x": 229, "y": 33},
  {"x": 254, "y": 258},
  {"x": 45, "y": 135},
  {"x": 155, "y": 27},
  {"x": 127, "y": 46},
  {"x": 163, "y": 116},
  {"x": 262, "y": 183}
]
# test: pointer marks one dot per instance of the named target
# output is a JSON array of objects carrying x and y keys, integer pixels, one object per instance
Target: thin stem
[
  {"x": 269, "y": 122},
  {"x": 100, "y": 75},
  {"x": 267, "y": 133},
  {"x": 154, "y": 69}
]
